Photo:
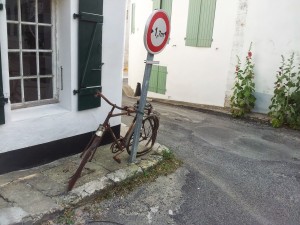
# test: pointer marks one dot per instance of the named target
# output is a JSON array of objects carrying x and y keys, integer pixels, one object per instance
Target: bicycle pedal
[{"x": 117, "y": 159}]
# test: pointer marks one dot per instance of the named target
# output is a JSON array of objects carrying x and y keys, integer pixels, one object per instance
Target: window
[
  {"x": 200, "y": 23},
  {"x": 133, "y": 18},
  {"x": 30, "y": 51},
  {"x": 158, "y": 79},
  {"x": 165, "y": 5}
]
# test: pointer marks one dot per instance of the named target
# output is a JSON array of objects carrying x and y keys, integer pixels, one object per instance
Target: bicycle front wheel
[{"x": 147, "y": 136}]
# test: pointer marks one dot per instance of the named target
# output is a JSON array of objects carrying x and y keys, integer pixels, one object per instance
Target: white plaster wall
[
  {"x": 273, "y": 27},
  {"x": 196, "y": 75},
  {"x": 37, "y": 125},
  {"x": 237, "y": 46},
  {"x": 126, "y": 48},
  {"x": 206, "y": 75},
  {"x": 4, "y": 59}
]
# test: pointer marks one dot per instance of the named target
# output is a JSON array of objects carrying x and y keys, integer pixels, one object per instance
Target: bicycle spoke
[{"x": 147, "y": 135}]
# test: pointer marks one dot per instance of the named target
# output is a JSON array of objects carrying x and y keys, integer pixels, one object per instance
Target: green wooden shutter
[
  {"x": 162, "y": 80},
  {"x": 89, "y": 53},
  {"x": 2, "y": 118},
  {"x": 156, "y": 4},
  {"x": 167, "y": 6},
  {"x": 153, "y": 79},
  {"x": 133, "y": 18},
  {"x": 206, "y": 25},
  {"x": 193, "y": 23},
  {"x": 158, "y": 79},
  {"x": 200, "y": 23}
]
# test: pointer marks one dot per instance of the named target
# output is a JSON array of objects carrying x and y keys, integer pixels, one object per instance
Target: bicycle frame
[
  {"x": 105, "y": 127},
  {"x": 90, "y": 150}
]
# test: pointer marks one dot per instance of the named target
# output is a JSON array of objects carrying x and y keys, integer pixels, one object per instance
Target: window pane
[
  {"x": 13, "y": 36},
  {"x": 28, "y": 37},
  {"x": 15, "y": 91},
  {"x": 45, "y": 63},
  {"x": 29, "y": 63},
  {"x": 14, "y": 64},
  {"x": 44, "y": 37},
  {"x": 12, "y": 10},
  {"x": 30, "y": 90},
  {"x": 28, "y": 10},
  {"x": 46, "y": 88},
  {"x": 44, "y": 11}
]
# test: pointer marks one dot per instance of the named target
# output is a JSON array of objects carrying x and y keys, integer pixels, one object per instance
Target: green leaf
[
  {"x": 247, "y": 93},
  {"x": 290, "y": 84},
  {"x": 276, "y": 123}
]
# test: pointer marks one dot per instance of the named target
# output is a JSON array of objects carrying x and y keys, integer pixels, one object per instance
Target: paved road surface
[{"x": 234, "y": 173}]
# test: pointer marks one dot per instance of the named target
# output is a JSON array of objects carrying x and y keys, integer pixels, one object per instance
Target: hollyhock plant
[
  {"x": 285, "y": 103},
  {"x": 243, "y": 101}
]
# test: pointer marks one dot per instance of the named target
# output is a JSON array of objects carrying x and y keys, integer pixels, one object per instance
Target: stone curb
[
  {"x": 17, "y": 215},
  {"x": 91, "y": 188}
]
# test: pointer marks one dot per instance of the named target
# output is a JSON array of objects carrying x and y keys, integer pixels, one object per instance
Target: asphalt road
[{"x": 235, "y": 173}]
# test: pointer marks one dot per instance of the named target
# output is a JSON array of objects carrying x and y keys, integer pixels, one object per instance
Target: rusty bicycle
[{"x": 147, "y": 136}]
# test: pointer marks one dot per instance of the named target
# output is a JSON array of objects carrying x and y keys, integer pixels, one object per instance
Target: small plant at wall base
[
  {"x": 285, "y": 104},
  {"x": 242, "y": 101}
]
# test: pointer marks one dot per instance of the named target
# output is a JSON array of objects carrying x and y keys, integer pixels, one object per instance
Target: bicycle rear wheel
[{"x": 147, "y": 136}]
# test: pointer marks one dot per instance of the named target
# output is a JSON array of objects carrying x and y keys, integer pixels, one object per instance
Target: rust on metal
[{"x": 147, "y": 138}]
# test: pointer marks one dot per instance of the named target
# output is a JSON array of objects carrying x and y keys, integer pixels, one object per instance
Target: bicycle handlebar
[{"x": 125, "y": 108}]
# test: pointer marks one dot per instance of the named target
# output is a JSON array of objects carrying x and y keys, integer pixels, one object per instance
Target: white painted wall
[
  {"x": 273, "y": 27},
  {"x": 37, "y": 125},
  {"x": 196, "y": 75},
  {"x": 126, "y": 48},
  {"x": 206, "y": 75}
]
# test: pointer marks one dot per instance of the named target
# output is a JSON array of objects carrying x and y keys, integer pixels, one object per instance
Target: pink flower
[
  {"x": 236, "y": 68},
  {"x": 249, "y": 55}
]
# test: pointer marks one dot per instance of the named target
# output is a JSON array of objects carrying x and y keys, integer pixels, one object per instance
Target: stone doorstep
[{"x": 33, "y": 206}]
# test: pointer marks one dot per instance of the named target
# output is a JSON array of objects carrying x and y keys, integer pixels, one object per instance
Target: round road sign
[{"x": 157, "y": 31}]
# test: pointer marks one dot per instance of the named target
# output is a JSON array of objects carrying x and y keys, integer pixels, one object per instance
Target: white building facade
[
  {"x": 54, "y": 56},
  {"x": 198, "y": 64}
]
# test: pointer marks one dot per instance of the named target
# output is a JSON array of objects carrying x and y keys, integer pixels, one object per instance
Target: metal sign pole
[
  {"x": 142, "y": 103},
  {"x": 157, "y": 21}
]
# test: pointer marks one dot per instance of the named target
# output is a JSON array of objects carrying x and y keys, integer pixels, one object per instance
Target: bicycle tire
[
  {"x": 147, "y": 137},
  {"x": 85, "y": 158}
]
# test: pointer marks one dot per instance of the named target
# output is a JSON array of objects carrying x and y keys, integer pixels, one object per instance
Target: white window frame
[{"x": 53, "y": 50}]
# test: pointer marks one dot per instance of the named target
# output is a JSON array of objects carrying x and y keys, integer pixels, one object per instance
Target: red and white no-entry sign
[{"x": 157, "y": 31}]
